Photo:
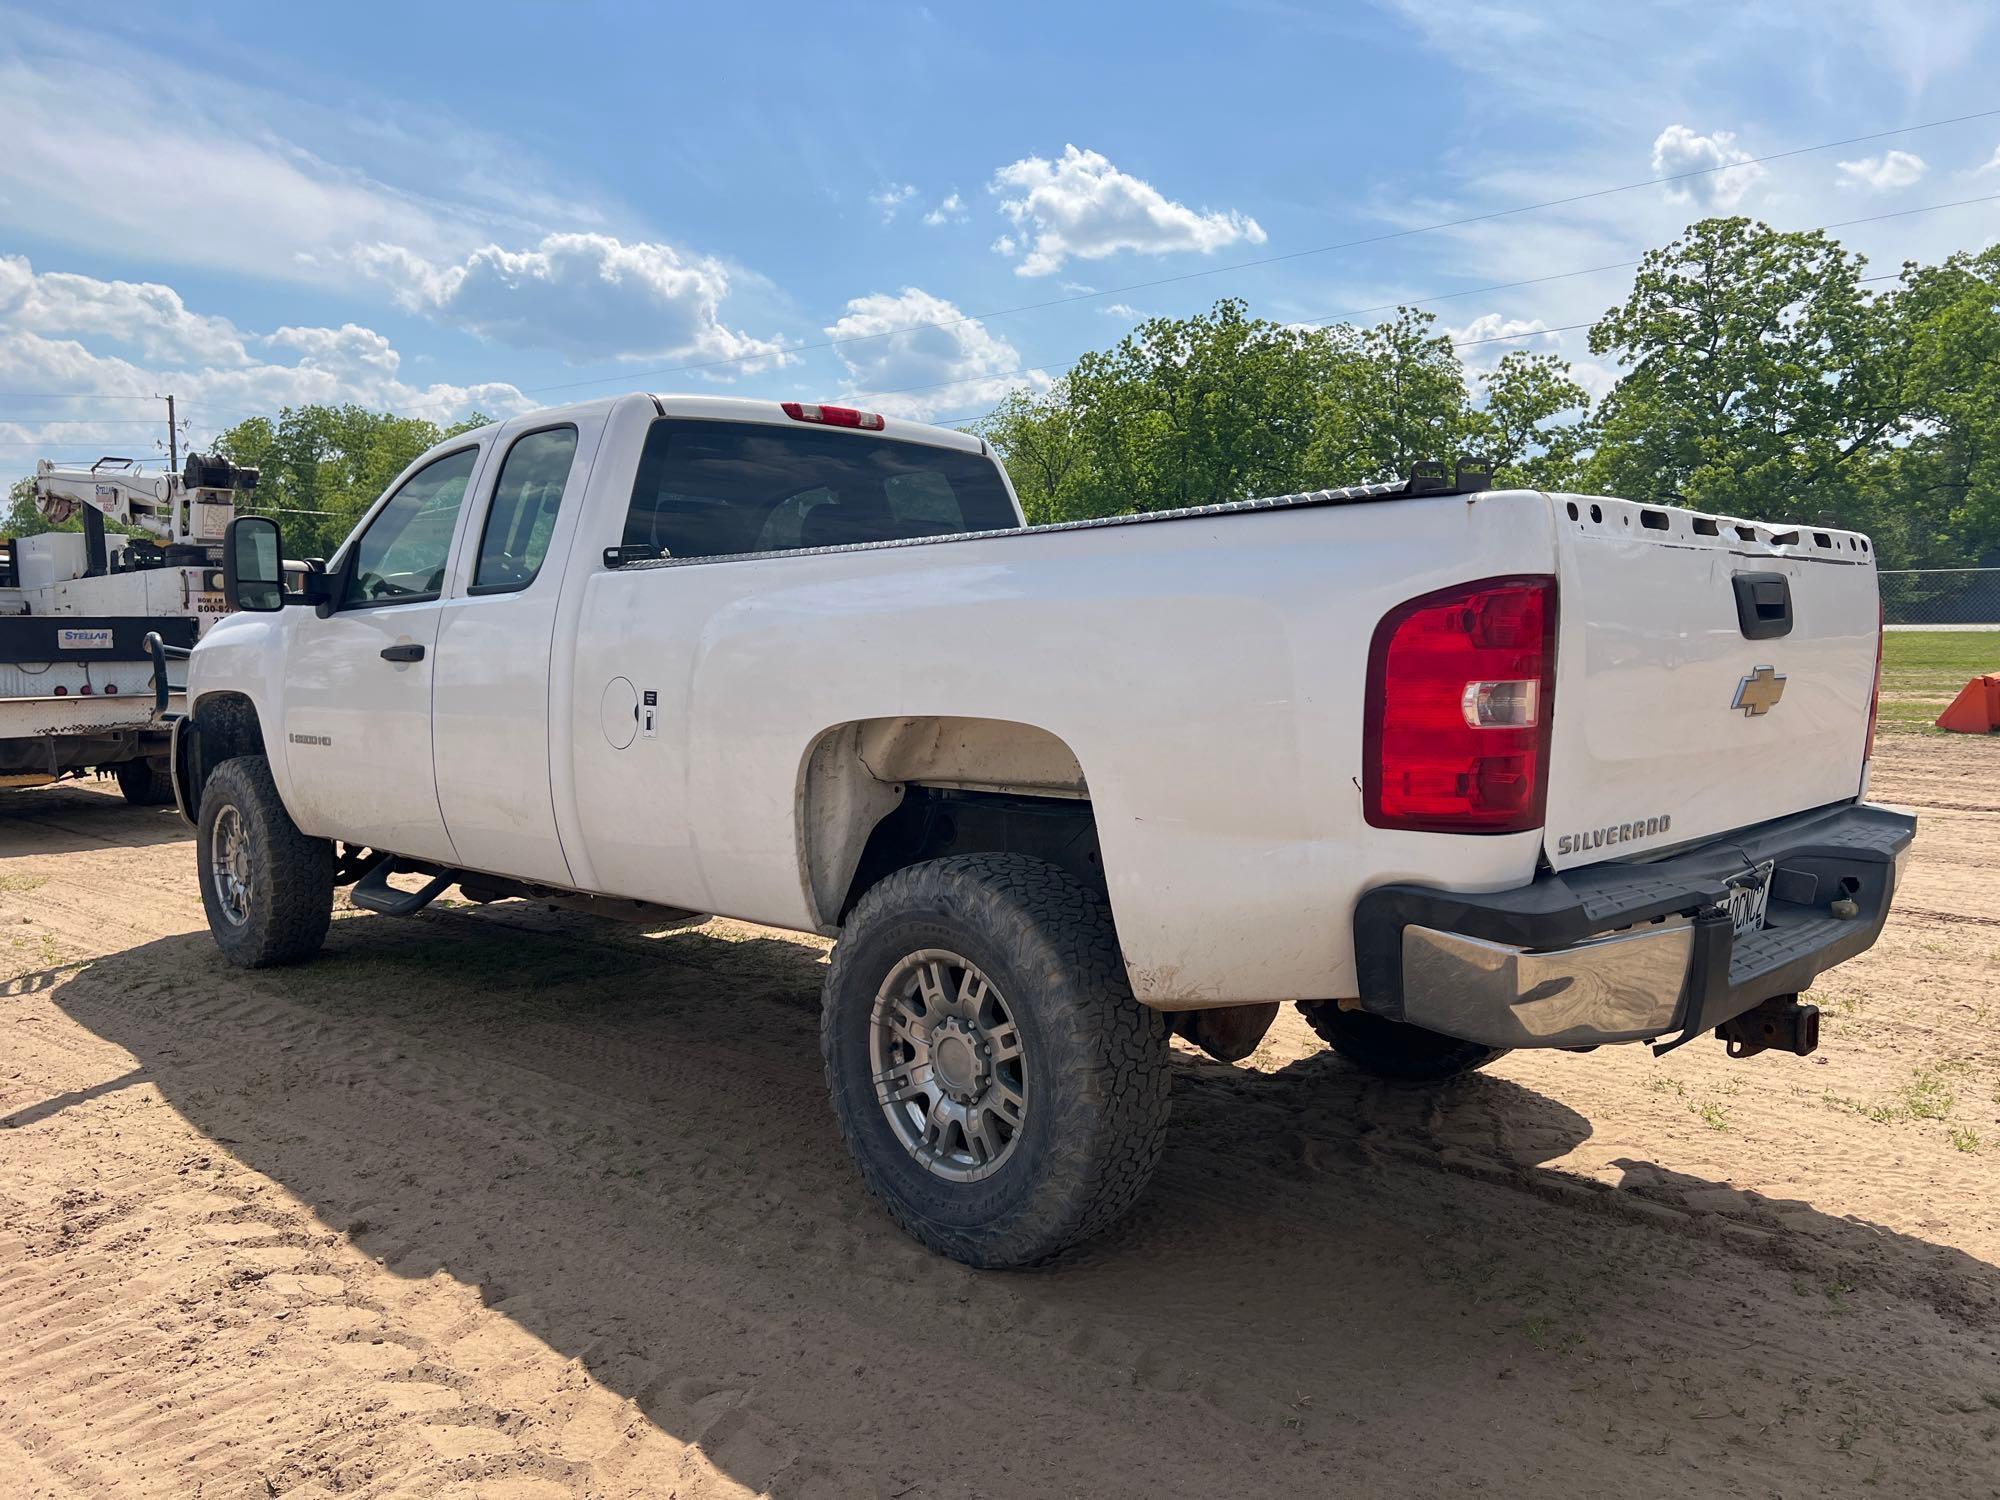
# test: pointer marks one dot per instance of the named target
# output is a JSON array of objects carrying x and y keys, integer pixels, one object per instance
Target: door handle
[{"x": 402, "y": 653}]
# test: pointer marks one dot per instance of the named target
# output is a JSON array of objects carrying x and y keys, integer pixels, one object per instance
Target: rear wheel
[
  {"x": 1003, "y": 1094},
  {"x": 1394, "y": 1049},
  {"x": 145, "y": 783},
  {"x": 267, "y": 888}
]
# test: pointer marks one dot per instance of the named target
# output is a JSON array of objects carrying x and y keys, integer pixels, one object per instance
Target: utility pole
[{"x": 173, "y": 440}]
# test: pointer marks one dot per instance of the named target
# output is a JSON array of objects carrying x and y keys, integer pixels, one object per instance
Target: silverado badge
[{"x": 1759, "y": 692}]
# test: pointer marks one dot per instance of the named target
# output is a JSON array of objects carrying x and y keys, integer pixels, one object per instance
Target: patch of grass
[
  {"x": 1928, "y": 1096},
  {"x": 1881, "y": 1114},
  {"x": 1550, "y": 1338},
  {"x": 19, "y": 885},
  {"x": 1965, "y": 1139},
  {"x": 1922, "y": 671},
  {"x": 1712, "y": 1114}
]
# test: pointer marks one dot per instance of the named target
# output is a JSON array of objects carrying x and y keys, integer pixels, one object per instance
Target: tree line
[{"x": 1761, "y": 373}]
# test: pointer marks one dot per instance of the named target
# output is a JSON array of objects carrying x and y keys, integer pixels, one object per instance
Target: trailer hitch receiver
[{"x": 1781, "y": 1022}]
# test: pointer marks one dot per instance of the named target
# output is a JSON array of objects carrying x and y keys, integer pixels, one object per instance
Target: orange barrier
[{"x": 1976, "y": 709}]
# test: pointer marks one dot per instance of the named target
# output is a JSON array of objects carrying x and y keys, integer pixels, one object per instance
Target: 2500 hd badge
[{"x": 1612, "y": 833}]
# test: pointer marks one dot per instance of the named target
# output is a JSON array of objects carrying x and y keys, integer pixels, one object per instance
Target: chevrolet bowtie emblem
[{"x": 1759, "y": 692}]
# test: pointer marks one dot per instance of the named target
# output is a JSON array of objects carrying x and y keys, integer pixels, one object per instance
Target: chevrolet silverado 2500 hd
[{"x": 1458, "y": 769}]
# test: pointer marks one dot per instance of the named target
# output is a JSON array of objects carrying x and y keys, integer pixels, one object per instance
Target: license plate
[{"x": 1749, "y": 895}]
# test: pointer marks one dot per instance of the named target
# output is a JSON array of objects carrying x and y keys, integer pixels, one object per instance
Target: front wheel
[
  {"x": 1394, "y": 1049},
  {"x": 267, "y": 888},
  {"x": 1003, "y": 1093}
]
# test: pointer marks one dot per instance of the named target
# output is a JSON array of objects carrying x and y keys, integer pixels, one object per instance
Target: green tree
[
  {"x": 1536, "y": 425},
  {"x": 1760, "y": 380},
  {"x": 1038, "y": 438},
  {"x": 1192, "y": 411},
  {"x": 22, "y": 518},
  {"x": 1940, "y": 501},
  {"x": 1222, "y": 406},
  {"x": 1403, "y": 399}
]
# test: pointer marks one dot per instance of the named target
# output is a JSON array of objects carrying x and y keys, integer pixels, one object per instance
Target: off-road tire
[
  {"x": 1394, "y": 1049},
  {"x": 145, "y": 783},
  {"x": 290, "y": 901},
  {"x": 1094, "y": 1060}
]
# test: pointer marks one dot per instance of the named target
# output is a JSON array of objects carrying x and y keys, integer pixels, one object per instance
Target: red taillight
[
  {"x": 1875, "y": 698},
  {"x": 832, "y": 416},
  {"x": 1460, "y": 691}
]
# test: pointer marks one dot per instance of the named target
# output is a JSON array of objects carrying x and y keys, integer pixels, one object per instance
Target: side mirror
[{"x": 252, "y": 569}]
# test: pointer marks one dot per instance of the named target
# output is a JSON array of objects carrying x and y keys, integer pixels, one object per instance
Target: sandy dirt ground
[{"x": 497, "y": 1202}]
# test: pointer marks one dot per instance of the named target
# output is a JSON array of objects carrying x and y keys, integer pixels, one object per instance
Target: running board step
[{"x": 374, "y": 892}]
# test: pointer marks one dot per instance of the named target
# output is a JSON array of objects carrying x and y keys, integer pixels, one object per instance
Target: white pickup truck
[{"x": 1459, "y": 770}]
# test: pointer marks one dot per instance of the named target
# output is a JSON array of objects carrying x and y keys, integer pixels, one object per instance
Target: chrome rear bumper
[
  {"x": 1640, "y": 951},
  {"x": 1622, "y": 988}
]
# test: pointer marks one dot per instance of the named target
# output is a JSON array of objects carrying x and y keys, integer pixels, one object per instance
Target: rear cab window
[{"x": 718, "y": 489}]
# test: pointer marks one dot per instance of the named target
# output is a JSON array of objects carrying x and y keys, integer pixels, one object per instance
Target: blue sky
[{"x": 430, "y": 208}]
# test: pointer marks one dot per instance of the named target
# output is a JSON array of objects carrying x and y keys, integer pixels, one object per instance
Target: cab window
[
  {"x": 710, "y": 489},
  {"x": 400, "y": 558},
  {"x": 522, "y": 517}
]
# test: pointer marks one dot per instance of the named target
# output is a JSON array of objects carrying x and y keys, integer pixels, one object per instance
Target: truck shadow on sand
[
  {"x": 66, "y": 819},
  {"x": 622, "y": 1144}
]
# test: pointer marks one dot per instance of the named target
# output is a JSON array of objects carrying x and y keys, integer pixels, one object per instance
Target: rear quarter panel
[{"x": 1207, "y": 674}]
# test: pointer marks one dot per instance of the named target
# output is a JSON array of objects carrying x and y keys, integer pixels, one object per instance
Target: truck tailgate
[{"x": 1679, "y": 713}]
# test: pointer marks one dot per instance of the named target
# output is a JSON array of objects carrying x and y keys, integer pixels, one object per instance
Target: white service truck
[
  {"x": 87, "y": 618},
  {"x": 1457, "y": 769}
]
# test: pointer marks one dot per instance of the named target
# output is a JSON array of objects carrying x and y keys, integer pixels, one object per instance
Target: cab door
[
  {"x": 490, "y": 697},
  {"x": 357, "y": 741}
]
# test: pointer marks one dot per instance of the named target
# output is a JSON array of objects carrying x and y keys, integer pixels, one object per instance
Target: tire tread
[
  {"x": 291, "y": 908},
  {"x": 1111, "y": 1120}
]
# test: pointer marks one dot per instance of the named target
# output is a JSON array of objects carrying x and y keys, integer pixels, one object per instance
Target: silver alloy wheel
[
  {"x": 229, "y": 866},
  {"x": 948, "y": 1068}
]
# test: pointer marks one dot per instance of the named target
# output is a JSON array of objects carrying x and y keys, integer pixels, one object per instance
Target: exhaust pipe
[{"x": 1781, "y": 1022}]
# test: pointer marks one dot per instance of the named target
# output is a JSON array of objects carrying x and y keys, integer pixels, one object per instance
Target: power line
[
  {"x": 1043, "y": 369},
  {"x": 1267, "y": 260},
  {"x": 1498, "y": 338},
  {"x": 1205, "y": 271}
]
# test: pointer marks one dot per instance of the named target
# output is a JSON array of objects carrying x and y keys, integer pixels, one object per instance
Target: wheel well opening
[
  {"x": 226, "y": 726},
  {"x": 883, "y": 794},
  {"x": 932, "y": 822}
]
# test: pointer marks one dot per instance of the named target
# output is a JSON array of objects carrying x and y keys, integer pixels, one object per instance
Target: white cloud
[
  {"x": 890, "y": 197},
  {"x": 162, "y": 160},
  {"x": 1121, "y": 310},
  {"x": 147, "y": 317},
  {"x": 1489, "y": 338},
  {"x": 1502, "y": 334},
  {"x": 1884, "y": 173},
  {"x": 1678, "y": 150},
  {"x": 1085, "y": 207},
  {"x": 55, "y": 335},
  {"x": 950, "y": 211},
  {"x": 588, "y": 296},
  {"x": 905, "y": 366},
  {"x": 1993, "y": 162}
]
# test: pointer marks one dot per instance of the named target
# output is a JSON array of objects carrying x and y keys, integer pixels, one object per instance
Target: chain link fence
[{"x": 1941, "y": 598}]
